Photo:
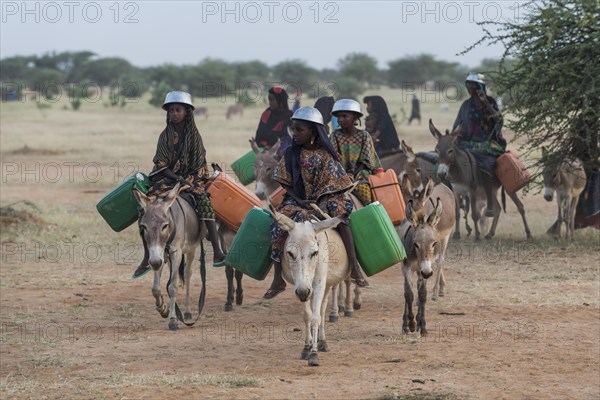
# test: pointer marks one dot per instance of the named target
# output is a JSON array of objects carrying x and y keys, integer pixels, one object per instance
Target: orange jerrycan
[
  {"x": 387, "y": 191},
  {"x": 230, "y": 200},
  {"x": 276, "y": 198}
]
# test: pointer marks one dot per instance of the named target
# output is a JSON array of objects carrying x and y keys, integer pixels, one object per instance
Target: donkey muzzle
[
  {"x": 303, "y": 294},
  {"x": 548, "y": 194}
]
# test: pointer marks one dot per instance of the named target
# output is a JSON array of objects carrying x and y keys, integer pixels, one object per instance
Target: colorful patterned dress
[
  {"x": 184, "y": 154},
  {"x": 358, "y": 156},
  {"x": 324, "y": 181}
]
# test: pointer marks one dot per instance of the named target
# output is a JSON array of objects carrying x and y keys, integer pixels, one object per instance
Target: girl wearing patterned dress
[
  {"x": 181, "y": 158},
  {"x": 310, "y": 171},
  {"x": 355, "y": 147}
]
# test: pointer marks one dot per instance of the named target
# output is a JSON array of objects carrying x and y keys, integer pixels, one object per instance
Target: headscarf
[
  {"x": 325, "y": 105},
  {"x": 273, "y": 123},
  {"x": 292, "y": 158},
  {"x": 185, "y": 158},
  {"x": 389, "y": 137}
]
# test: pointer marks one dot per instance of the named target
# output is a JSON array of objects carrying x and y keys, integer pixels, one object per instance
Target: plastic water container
[
  {"x": 250, "y": 251},
  {"x": 375, "y": 239},
  {"x": 511, "y": 172},
  {"x": 230, "y": 200},
  {"x": 119, "y": 208},
  {"x": 387, "y": 190},
  {"x": 244, "y": 168},
  {"x": 276, "y": 198}
]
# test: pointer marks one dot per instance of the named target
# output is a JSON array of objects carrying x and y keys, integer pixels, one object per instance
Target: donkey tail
[{"x": 503, "y": 200}]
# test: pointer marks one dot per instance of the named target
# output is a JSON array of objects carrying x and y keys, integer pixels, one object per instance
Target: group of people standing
[{"x": 317, "y": 164}]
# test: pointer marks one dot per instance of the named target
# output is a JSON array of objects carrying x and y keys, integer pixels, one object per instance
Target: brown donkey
[
  {"x": 568, "y": 180},
  {"x": 460, "y": 167},
  {"x": 423, "y": 200}
]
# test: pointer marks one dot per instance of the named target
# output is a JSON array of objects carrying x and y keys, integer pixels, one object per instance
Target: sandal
[
  {"x": 363, "y": 283},
  {"x": 270, "y": 293},
  {"x": 219, "y": 262},
  {"x": 140, "y": 271}
]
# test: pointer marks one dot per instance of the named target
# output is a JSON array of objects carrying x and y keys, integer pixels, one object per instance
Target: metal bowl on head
[
  {"x": 346, "y": 105},
  {"x": 308, "y": 114},
  {"x": 178, "y": 97}
]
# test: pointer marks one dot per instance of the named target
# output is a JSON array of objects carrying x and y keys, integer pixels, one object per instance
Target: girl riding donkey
[
  {"x": 181, "y": 158},
  {"x": 355, "y": 147},
  {"x": 311, "y": 172}
]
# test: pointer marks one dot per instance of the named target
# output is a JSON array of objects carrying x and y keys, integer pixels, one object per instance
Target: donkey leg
[
  {"x": 321, "y": 342},
  {"x": 421, "y": 300},
  {"x": 357, "y": 303},
  {"x": 457, "y": 217},
  {"x": 306, "y": 316},
  {"x": 188, "y": 260},
  {"x": 172, "y": 289},
  {"x": 438, "y": 272},
  {"x": 315, "y": 321},
  {"x": 333, "y": 314},
  {"x": 229, "y": 276},
  {"x": 408, "y": 319},
  {"x": 497, "y": 212},
  {"x": 348, "y": 306},
  {"x": 161, "y": 306},
  {"x": 475, "y": 215},
  {"x": 521, "y": 209},
  {"x": 239, "y": 291},
  {"x": 571, "y": 218}
]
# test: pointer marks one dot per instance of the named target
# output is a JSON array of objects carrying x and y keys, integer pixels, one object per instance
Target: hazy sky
[{"x": 185, "y": 32}]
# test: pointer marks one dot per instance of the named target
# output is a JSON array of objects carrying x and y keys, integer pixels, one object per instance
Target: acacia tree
[{"x": 553, "y": 80}]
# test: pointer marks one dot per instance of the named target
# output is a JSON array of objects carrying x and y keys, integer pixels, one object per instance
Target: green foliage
[
  {"x": 359, "y": 66},
  {"x": 158, "y": 94},
  {"x": 416, "y": 70},
  {"x": 347, "y": 88},
  {"x": 295, "y": 74},
  {"x": 553, "y": 84}
]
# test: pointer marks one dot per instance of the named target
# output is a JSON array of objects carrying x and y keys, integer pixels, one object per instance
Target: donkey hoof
[
  {"x": 441, "y": 294},
  {"x": 348, "y": 313},
  {"x": 423, "y": 332},
  {"x": 333, "y": 318},
  {"x": 239, "y": 299},
  {"x": 434, "y": 298},
  {"x": 313, "y": 360},
  {"x": 305, "y": 353},
  {"x": 228, "y": 307},
  {"x": 488, "y": 237},
  {"x": 456, "y": 235},
  {"x": 322, "y": 346},
  {"x": 412, "y": 326},
  {"x": 341, "y": 308},
  {"x": 357, "y": 306},
  {"x": 187, "y": 315},
  {"x": 173, "y": 326}
]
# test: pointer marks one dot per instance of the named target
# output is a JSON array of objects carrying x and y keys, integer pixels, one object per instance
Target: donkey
[
  {"x": 235, "y": 109},
  {"x": 460, "y": 167},
  {"x": 226, "y": 235},
  {"x": 201, "y": 112},
  {"x": 265, "y": 185},
  {"x": 422, "y": 242},
  {"x": 313, "y": 265},
  {"x": 172, "y": 234},
  {"x": 263, "y": 169},
  {"x": 568, "y": 180},
  {"x": 419, "y": 169},
  {"x": 423, "y": 200}
]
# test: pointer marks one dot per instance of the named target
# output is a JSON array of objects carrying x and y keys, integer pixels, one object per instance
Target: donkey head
[
  {"x": 156, "y": 224},
  {"x": 411, "y": 168},
  {"x": 416, "y": 196},
  {"x": 301, "y": 251},
  {"x": 425, "y": 237},
  {"x": 551, "y": 175},
  {"x": 263, "y": 170},
  {"x": 446, "y": 148}
]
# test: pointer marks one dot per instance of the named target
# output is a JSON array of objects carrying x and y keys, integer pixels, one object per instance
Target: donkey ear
[
  {"x": 326, "y": 224},
  {"x": 428, "y": 188},
  {"x": 410, "y": 215},
  {"x": 254, "y": 146},
  {"x": 410, "y": 155},
  {"x": 456, "y": 132},
  {"x": 436, "y": 215},
  {"x": 406, "y": 185},
  {"x": 141, "y": 198},
  {"x": 273, "y": 150},
  {"x": 436, "y": 134},
  {"x": 286, "y": 223},
  {"x": 170, "y": 198}
]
